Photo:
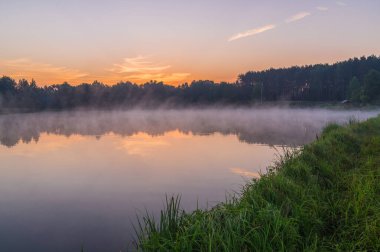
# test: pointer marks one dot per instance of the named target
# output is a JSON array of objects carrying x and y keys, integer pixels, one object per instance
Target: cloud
[
  {"x": 252, "y": 32},
  {"x": 297, "y": 17},
  {"x": 322, "y": 8},
  {"x": 43, "y": 73},
  {"x": 340, "y": 3},
  {"x": 165, "y": 77},
  {"x": 138, "y": 64},
  {"x": 142, "y": 69}
]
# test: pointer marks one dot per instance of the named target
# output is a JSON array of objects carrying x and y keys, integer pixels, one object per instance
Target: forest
[{"x": 356, "y": 80}]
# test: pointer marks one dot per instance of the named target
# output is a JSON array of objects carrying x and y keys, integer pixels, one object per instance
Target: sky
[{"x": 177, "y": 41}]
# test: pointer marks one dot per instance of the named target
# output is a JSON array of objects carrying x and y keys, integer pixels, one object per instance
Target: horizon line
[{"x": 194, "y": 80}]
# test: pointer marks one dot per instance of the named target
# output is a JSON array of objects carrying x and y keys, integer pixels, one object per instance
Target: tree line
[{"x": 357, "y": 80}]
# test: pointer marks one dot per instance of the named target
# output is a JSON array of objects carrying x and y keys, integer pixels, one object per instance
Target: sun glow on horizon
[
  {"x": 137, "y": 70},
  {"x": 141, "y": 41}
]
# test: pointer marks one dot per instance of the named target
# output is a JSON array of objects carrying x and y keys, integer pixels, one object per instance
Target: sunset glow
[{"x": 178, "y": 41}]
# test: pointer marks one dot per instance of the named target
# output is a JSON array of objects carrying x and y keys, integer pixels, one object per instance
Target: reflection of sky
[
  {"x": 74, "y": 178},
  {"x": 245, "y": 173},
  {"x": 177, "y": 40},
  {"x": 82, "y": 189},
  {"x": 142, "y": 144}
]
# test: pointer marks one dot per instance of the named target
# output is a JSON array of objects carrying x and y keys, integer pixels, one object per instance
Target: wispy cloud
[
  {"x": 322, "y": 8},
  {"x": 340, "y": 3},
  {"x": 42, "y": 72},
  {"x": 298, "y": 16},
  {"x": 142, "y": 69},
  {"x": 139, "y": 64},
  {"x": 252, "y": 32}
]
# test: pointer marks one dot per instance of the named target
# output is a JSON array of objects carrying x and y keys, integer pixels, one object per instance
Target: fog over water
[
  {"x": 77, "y": 178},
  {"x": 275, "y": 126}
]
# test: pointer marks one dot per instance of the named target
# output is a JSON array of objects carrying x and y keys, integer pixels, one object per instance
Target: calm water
[{"x": 79, "y": 178}]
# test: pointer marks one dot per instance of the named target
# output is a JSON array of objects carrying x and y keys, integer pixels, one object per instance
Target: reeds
[{"x": 323, "y": 197}]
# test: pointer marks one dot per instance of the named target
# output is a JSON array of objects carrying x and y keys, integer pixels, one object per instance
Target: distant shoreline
[{"x": 351, "y": 83}]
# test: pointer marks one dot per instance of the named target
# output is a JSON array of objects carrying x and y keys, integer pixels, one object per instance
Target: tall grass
[{"x": 324, "y": 197}]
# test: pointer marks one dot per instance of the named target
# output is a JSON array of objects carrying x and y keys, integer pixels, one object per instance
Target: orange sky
[{"x": 178, "y": 41}]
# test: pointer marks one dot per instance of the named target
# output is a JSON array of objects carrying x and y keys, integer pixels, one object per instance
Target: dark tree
[
  {"x": 355, "y": 90},
  {"x": 372, "y": 85},
  {"x": 357, "y": 79}
]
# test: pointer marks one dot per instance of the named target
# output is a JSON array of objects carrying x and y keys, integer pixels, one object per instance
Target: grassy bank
[{"x": 325, "y": 197}]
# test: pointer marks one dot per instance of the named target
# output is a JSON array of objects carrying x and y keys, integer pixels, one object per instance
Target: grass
[{"x": 324, "y": 197}]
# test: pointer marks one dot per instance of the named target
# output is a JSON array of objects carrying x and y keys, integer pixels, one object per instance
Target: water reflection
[
  {"x": 264, "y": 126},
  {"x": 245, "y": 173},
  {"x": 62, "y": 192},
  {"x": 79, "y": 178}
]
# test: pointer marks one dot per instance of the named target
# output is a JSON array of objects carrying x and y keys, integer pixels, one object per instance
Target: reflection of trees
[{"x": 278, "y": 127}]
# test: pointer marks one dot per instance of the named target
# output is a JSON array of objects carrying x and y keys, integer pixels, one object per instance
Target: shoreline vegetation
[
  {"x": 323, "y": 197},
  {"x": 354, "y": 82}
]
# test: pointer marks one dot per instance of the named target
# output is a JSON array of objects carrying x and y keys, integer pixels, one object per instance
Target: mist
[{"x": 272, "y": 126}]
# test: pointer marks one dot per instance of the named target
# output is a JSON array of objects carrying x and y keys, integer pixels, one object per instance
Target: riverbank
[{"x": 324, "y": 197}]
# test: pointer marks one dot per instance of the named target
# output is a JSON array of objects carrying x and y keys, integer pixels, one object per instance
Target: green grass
[{"x": 324, "y": 197}]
